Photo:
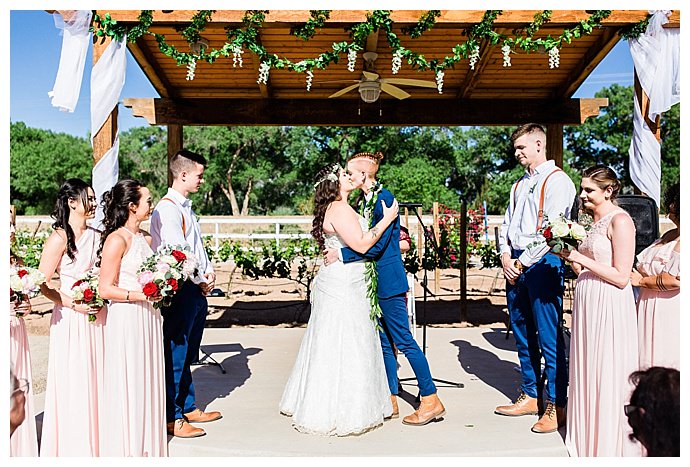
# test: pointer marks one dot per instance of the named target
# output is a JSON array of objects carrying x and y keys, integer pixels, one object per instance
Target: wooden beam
[
  {"x": 352, "y": 112},
  {"x": 472, "y": 76},
  {"x": 590, "y": 60},
  {"x": 554, "y": 143},
  {"x": 105, "y": 136},
  {"x": 150, "y": 67},
  {"x": 175, "y": 141}
]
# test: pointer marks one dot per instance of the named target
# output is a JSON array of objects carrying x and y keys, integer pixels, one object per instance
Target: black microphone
[{"x": 410, "y": 205}]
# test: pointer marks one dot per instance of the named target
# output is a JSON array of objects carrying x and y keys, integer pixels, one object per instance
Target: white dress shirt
[
  {"x": 166, "y": 228},
  {"x": 519, "y": 228}
]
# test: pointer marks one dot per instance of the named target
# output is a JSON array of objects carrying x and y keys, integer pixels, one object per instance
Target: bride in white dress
[{"x": 338, "y": 385}]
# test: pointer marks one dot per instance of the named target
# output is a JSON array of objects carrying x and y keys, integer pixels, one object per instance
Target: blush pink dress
[
  {"x": 133, "y": 403},
  {"x": 658, "y": 311},
  {"x": 24, "y": 441},
  {"x": 74, "y": 382},
  {"x": 603, "y": 353}
]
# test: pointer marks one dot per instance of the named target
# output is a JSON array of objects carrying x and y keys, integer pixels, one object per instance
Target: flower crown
[{"x": 332, "y": 175}]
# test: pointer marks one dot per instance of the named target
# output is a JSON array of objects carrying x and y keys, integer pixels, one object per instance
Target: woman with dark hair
[
  {"x": 75, "y": 358},
  {"x": 24, "y": 440},
  {"x": 338, "y": 385},
  {"x": 133, "y": 409},
  {"x": 603, "y": 346},
  {"x": 654, "y": 411},
  {"x": 658, "y": 307}
]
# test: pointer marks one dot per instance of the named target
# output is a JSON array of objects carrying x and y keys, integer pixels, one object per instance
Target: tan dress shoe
[
  {"x": 524, "y": 405},
  {"x": 198, "y": 416},
  {"x": 430, "y": 409},
  {"x": 552, "y": 420},
  {"x": 396, "y": 411},
  {"x": 182, "y": 429}
]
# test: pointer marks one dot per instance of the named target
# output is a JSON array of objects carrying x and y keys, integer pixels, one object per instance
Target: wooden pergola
[{"x": 491, "y": 94}]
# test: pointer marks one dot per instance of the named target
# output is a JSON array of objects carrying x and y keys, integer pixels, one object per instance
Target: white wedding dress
[{"x": 338, "y": 386}]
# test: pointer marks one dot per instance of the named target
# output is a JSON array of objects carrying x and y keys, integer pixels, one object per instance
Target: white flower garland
[
  {"x": 264, "y": 69},
  {"x": 506, "y": 55},
  {"x": 554, "y": 58},
  {"x": 191, "y": 69},
  {"x": 397, "y": 61},
  {"x": 310, "y": 77},
  {"x": 474, "y": 56},
  {"x": 237, "y": 55},
  {"x": 351, "y": 59},
  {"x": 439, "y": 80}
]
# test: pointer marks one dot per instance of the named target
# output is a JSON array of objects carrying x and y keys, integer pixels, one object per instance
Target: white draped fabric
[
  {"x": 104, "y": 175},
  {"x": 107, "y": 81},
  {"x": 75, "y": 44},
  {"x": 656, "y": 55}
]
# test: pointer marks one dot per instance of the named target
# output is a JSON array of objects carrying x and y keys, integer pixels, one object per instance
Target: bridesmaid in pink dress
[
  {"x": 603, "y": 347},
  {"x": 24, "y": 441},
  {"x": 75, "y": 358},
  {"x": 133, "y": 409},
  {"x": 658, "y": 307}
]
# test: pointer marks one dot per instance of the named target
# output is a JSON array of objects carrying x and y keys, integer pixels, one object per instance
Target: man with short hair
[
  {"x": 535, "y": 279},
  {"x": 174, "y": 223}
]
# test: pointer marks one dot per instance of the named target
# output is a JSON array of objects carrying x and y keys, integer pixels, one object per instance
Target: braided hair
[
  {"x": 116, "y": 208},
  {"x": 326, "y": 190},
  {"x": 71, "y": 189}
]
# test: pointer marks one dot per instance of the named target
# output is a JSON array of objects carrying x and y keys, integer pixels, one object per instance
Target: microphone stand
[{"x": 428, "y": 237}]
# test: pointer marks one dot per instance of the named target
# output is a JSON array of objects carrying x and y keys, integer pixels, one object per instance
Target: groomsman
[
  {"x": 174, "y": 223},
  {"x": 534, "y": 279}
]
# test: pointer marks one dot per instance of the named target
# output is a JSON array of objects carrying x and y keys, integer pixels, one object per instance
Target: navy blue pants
[
  {"x": 183, "y": 326},
  {"x": 535, "y": 304},
  {"x": 396, "y": 329}
]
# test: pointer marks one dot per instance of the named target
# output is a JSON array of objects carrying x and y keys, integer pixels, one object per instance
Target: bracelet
[
  {"x": 660, "y": 283},
  {"x": 127, "y": 299}
]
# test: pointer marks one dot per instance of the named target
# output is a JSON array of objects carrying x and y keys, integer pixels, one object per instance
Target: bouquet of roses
[
  {"x": 563, "y": 234},
  {"x": 25, "y": 283},
  {"x": 163, "y": 272},
  {"x": 85, "y": 291}
]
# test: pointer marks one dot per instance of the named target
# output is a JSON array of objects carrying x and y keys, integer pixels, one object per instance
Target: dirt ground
[{"x": 282, "y": 302}]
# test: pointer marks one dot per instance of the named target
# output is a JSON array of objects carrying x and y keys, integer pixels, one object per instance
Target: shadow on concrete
[{"x": 210, "y": 383}]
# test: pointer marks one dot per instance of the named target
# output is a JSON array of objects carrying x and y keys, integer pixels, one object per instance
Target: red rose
[
  {"x": 88, "y": 295},
  {"x": 179, "y": 256},
  {"x": 172, "y": 283},
  {"x": 547, "y": 233},
  {"x": 22, "y": 272},
  {"x": 150, "y": 290}
]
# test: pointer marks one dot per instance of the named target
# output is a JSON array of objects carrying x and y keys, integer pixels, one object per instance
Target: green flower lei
[{"x": 371, "y": 277}]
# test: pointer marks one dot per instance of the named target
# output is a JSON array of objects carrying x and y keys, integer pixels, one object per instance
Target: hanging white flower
[
  {"x": 474, "y": 56},
  {"x": 237, "y": 55},
  {"x": 351, "y": 59},
  {"x": 310, "y": 77},
  {"x": 397, "y": 61},
  {"x": 554, "y": 57},
  {"x": 506, "y": 55},
  {"x": 191, "y": 69},
  {"x": 264, "y": 69},
  {"x": 439, "y": 81}
]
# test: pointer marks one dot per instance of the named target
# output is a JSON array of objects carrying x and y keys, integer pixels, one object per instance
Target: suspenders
[
  {"x": 540, "y": 213},
  {"x": 184, "y": 224}
]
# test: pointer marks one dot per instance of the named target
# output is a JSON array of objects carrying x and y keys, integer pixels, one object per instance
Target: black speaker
[{"x": 645, "y": 214}]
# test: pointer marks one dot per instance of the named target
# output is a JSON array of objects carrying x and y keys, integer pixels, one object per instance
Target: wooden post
[
  {"x": 437, "y": 273},
  {"x": 105, "y": 136},
  {"x": 175, "y": 133},
  {"x": 463, "y": 261},
  {"x": 554, "y": 143}
]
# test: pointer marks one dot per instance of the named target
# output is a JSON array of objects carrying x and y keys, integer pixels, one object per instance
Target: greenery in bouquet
[
  {"x": 85, "y": 291},
  {"x": 25, "y": 283},
  {"x": 561, "y": 234},
  {"x": 161, "y": 274}
]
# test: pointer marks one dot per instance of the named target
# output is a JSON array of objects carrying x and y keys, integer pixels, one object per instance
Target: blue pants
[
  {"x": 183, "y": 325},
  {"x": 396, "y": 329},
  {"x": 535, "y": 304}
]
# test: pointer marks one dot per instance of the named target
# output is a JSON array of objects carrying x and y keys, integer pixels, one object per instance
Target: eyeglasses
[
  {"x": 22, "y": 386},
  {"x": 629, "y": 409}
]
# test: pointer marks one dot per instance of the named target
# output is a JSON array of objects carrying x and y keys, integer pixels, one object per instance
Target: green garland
[
  {"x": 633, "y": 31},
  {"x": 247, "y": 37},
  {"x": 371, "y": 276}
]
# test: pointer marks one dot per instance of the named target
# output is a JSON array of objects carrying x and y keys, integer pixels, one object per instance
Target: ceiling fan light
[{"x": 369, "y": 91}]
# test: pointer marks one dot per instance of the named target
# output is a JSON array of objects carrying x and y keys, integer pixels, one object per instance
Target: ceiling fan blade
[
  {"x": 344, "y": 90},
  {"x": 410, "y": 82},
  {"x": 394, "y": 91},
  {"x": 370, "y": 76},
  {"x": 328, "y": 81}
]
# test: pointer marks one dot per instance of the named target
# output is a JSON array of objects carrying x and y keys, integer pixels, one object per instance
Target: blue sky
[{"x": 35, "y": 45}]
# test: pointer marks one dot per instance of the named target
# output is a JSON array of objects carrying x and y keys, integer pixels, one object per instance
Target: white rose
[
  {"x": 159, "y": 275},
  {"x": 559, "y": 229},
  {"x": 169, "y": 259},
  {"x": 578, "y": 232},
  {"x": 16, "y": 283}
]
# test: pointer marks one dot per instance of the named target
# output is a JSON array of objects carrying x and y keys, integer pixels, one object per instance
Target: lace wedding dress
[{"x": 338, "y": 384}]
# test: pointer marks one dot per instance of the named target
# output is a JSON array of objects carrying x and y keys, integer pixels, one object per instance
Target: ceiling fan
[{"x": 371, "y": 84}]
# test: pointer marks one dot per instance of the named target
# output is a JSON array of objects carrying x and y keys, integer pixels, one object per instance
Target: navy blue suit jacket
[{"x": 392, "y": 278}]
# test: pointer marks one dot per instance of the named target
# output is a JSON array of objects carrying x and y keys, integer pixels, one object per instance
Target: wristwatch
[{"x": 518, "y": 265}]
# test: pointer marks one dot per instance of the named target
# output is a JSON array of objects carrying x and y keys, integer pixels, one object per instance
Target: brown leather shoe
[
  {"x": 396, "y": 411},
  {"x": 524, "y": 405},
  {"x": 430, "y": 409},
  {"x": 198, "y": 416},
  {"x": 182, "y": 429},
  {"x": 552, "y": 420}
]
